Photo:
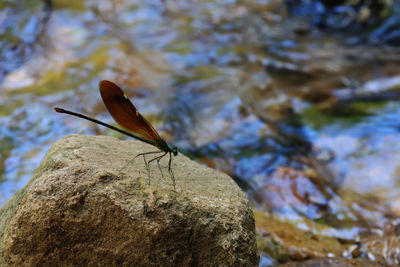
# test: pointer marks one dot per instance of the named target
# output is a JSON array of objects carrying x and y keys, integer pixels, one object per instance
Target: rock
[
  {"x": 285, "y": 242},
  {"x": 335, "y": 262},
  {"x": 80, "y": 209}
]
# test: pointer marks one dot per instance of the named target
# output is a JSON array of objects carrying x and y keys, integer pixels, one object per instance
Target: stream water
[{"x": 303, "y": 113}]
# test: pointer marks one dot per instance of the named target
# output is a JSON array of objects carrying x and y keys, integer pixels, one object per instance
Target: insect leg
[
  {"x": 170, "y": 170},
  {"x": 147, "y": 167},
  {"x": 141, "y": 154},
  {"x": 158, "y": 158},
  {"x": 158, "y": 163},
  {"x": 146, "y": 163}
]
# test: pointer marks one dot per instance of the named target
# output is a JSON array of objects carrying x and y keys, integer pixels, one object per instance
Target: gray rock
[{"x": 80, "y": 209}]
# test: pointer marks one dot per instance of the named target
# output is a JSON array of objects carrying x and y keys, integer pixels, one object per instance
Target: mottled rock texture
[{"x": 80, "y": 209}]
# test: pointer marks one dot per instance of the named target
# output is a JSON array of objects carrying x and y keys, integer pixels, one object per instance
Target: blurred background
[{"x": 298, "y": 101}]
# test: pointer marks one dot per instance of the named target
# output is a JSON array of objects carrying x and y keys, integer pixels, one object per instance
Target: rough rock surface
[{"x": 81, "y": 209}]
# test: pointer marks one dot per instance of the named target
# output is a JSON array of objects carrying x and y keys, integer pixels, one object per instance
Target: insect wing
[{"x": 124, "y": 112}]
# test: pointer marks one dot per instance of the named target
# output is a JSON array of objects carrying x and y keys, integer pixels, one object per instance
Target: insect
[{"x": 126, "y": 115}]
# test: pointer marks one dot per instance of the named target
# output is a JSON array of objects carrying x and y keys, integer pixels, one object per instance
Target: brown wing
[{"x": 124, "y": 112}]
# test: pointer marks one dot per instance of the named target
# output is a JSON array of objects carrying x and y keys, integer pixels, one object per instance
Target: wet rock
[
  {"x": 342, "y": 16},
  {"x": 80, "y": 209},
  {"x": 327, "y": 262},
  {"x": 383, "y": 244},
  {"x": 285, "y": 242}
]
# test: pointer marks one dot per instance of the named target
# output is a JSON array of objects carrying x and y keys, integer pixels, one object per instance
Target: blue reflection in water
[{"x": 26, "y": 135}]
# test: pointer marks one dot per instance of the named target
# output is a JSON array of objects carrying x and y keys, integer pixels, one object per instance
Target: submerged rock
[
  {"x": 334, "y": 262},
  {"x": 80, "y": 208}
]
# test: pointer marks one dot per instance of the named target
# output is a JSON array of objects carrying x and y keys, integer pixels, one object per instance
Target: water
[{"x": 306, "y": 125}]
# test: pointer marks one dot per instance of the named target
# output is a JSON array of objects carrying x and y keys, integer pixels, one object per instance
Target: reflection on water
[{"x": 307, "y": 126}]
